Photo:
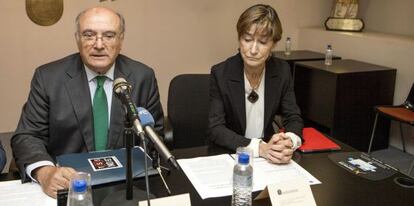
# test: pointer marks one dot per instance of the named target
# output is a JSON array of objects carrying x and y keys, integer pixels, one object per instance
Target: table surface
[
  {"x": 344, "y": 66},
  {"x": 339, "y": 187}
]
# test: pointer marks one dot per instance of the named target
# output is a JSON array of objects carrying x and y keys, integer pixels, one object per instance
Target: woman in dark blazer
[{"x": 247, "y": 91}]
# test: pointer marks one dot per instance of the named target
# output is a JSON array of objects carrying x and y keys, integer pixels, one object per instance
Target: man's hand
[
  {"x": 52, "y": 178},
  {"x": 278, "y": 150}
]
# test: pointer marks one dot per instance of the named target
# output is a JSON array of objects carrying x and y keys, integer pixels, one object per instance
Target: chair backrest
[
  {"x": 188, "y": 107},
  {"x": 409, "y": 103}
]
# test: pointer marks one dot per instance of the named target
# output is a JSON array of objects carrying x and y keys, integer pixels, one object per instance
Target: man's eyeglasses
[{"x": 91, "y": 38}]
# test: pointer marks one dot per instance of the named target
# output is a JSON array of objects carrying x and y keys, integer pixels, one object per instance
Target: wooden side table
[{"x": 341, "y": 98}]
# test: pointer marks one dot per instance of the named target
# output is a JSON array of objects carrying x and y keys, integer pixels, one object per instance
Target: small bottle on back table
[
  {"x": 328, "y": 55},
  {"x": 288, "y": 46}
]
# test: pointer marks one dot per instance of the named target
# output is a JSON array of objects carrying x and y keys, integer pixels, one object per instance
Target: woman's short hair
[{"x": 266, "y": 19}]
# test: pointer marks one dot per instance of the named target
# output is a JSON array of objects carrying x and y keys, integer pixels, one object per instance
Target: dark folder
[
  {"x": 316, "y": 141},
  {"x": 106, "y": 166}
]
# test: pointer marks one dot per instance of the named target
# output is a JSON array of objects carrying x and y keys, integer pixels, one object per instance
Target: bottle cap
[
  {"x": 288, "y": 38},
  {"x": 329, "y": 46},
  {"x": 79, "y": 185},
  {"x": 243, "y": 158}
]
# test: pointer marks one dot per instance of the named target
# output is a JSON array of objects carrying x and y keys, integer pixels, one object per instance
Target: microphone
[
  {"x": 148, "y": 123},
  {"x": 122, "y": 90}
]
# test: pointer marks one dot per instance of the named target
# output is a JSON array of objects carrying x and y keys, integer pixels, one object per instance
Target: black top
[{"x": 227, "y": 117}]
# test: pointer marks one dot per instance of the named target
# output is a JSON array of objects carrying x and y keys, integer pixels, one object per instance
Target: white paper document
[
  {"x": 14, "y": 193},
  {"x": 265, "y": 173},
  {"x": 212, "y": 175}
]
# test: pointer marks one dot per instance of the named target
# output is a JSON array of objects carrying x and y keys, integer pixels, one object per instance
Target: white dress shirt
[{"x": 255, "y": 118}]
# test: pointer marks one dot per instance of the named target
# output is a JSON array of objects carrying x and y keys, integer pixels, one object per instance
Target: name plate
[
  {"x": 296, "y": 192},
  {"x": 182, "y": 200}
]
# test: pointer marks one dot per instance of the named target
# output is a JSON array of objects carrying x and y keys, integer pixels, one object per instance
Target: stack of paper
[
  {"x": 212, "y": 175},
  {"x": 17, "y": 194}
]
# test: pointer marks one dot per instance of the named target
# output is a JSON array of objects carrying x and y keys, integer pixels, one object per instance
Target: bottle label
[{"x": 242, "y": 181}]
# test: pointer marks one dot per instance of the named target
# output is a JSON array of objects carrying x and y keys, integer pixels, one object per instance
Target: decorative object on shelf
[
  {"x": 344, "y": 17},
  {"x": 44, "y": 12}
]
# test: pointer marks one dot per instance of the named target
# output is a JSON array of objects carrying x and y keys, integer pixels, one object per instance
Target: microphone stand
[
  {"x": 142, "y": 136},
  {"x": 132, "y": 196},
  {"x": 157, "y": 165},
  {"x": 129, "y": 143}
]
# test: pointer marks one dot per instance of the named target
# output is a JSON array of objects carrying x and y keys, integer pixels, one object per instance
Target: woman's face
[{"x": 255, "y": 48}]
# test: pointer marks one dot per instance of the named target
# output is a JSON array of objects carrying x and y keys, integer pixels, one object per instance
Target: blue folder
[{"x": 80, "y": 162}]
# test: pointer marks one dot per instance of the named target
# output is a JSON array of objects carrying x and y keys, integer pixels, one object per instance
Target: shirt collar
[{"x": 90, "y": 74}]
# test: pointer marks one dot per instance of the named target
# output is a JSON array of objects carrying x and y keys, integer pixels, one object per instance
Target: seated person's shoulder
[
  {"x": 281, "y": 65},
  {"x": 226, "y": 64},
  {"x": 218, "y": 67},
  {"x": 135, "y": 66},
  {"x": 59, "y": 66}
]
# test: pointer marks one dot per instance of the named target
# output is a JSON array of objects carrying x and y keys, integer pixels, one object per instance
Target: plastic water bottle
[
  {"x": 242, "y": 182},
  {"x": 79, "y": 193},
  {"x": 288, "y": 46},
  {"x": 328, "y": 55}
]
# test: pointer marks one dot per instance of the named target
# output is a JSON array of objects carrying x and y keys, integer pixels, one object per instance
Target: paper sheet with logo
[
  {"x": 212, "y": 175},
  {"x": 17, "y": 194}
]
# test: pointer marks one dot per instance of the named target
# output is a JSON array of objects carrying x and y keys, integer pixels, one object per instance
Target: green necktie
[{"x": 100, "y": 115}]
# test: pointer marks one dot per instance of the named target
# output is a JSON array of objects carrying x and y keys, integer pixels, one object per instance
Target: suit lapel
[
  {"x": 78, "y": 89},
  {"x": 235, "y": 76},
  {"x": 115, "y": 134},
  {"x": 271, "y": 83}
]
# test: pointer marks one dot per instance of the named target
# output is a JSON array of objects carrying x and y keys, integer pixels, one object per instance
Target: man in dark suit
[
  {"x": 3, "y": 159},
  {"x": 71, "y": 107},
  {"x": 250, "y": 88}
]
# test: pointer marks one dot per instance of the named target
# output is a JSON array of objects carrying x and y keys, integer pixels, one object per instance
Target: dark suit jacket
[
  {"x": 3, "y": 158},
  {"x": 57, "y": 117},
  {"x": 227, "y": 117}
]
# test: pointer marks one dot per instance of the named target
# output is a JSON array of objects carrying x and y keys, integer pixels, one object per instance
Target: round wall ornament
[{"x": 44, "y": 12}]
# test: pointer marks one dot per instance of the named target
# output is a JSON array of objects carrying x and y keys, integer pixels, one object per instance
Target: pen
[{"x": 391, "y": 167}]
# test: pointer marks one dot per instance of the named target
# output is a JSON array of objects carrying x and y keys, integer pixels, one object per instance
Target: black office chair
[
  {"x": 402, "y": 113},
  {"x": 188, "y": 106}
]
